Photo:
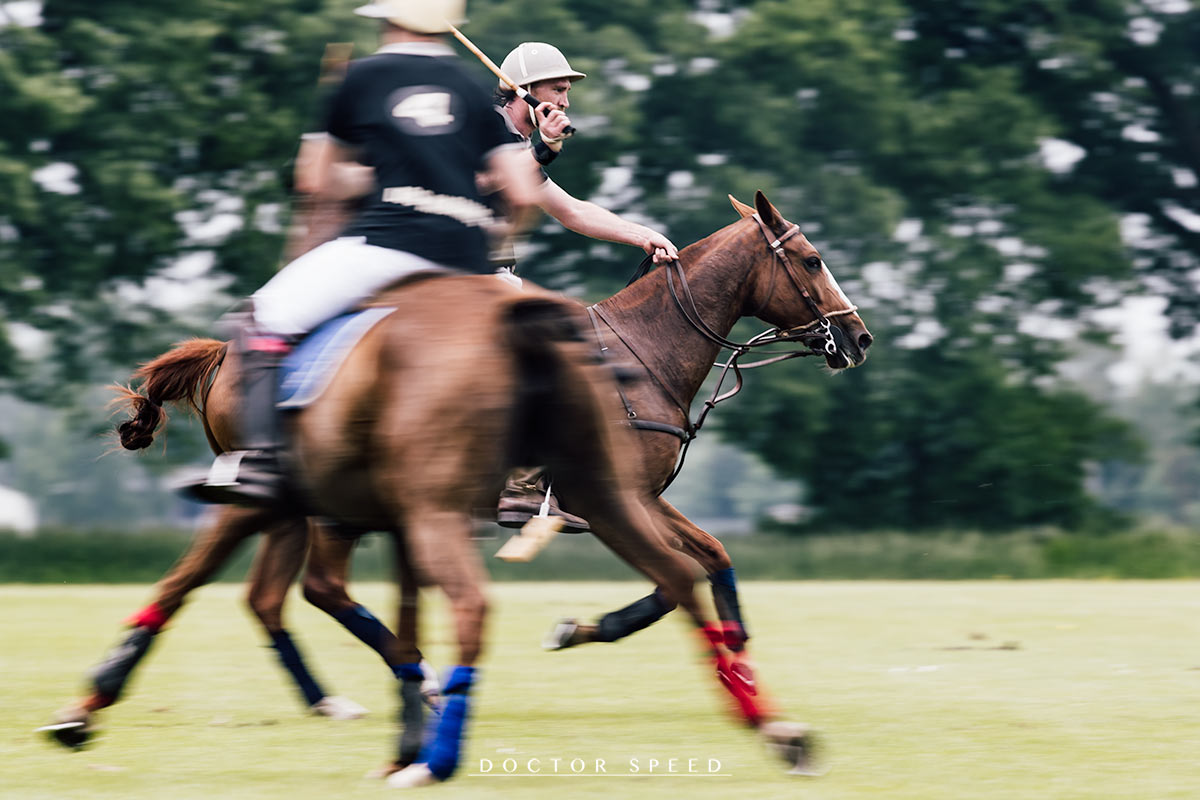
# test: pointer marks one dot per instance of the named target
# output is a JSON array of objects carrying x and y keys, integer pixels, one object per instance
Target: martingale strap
[{"x": 682, "y": 406}]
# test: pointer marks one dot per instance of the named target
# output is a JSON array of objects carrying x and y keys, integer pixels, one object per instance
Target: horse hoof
[
  {"x": 561, "y": 636},
  {"x": 340, "y": 708},
  {"x": 411, "y": 777},
  {"x": 796, "y": 744},
  {"x": 72, "y": 734},
  {"x": 383, "y": 771}
]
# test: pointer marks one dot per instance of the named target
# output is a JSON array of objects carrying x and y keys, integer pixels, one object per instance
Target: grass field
[{"x": 921, "y": 690}]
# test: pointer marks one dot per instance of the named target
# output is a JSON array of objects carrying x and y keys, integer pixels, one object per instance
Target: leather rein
[{"x": 816, "y": 335}]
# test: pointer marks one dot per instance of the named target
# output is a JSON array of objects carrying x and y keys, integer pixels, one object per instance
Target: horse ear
[
  {"x": 740, "y": 207},
  {"x": 766, "y": 212}
]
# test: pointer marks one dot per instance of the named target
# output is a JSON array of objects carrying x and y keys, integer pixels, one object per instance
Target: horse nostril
[{"x": 864, "y": 341}]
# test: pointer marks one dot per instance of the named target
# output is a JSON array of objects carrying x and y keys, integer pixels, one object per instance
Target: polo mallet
[{"x": 487, "y": 62}]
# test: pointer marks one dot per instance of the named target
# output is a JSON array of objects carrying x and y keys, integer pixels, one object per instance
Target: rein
[{"x": 816, "y": 335}]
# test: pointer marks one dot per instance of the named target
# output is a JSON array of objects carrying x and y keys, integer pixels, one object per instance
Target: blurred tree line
[{"x": 981, "y": 175}]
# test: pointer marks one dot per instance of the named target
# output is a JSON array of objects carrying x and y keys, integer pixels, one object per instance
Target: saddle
[{"x": 308, "y": 369}]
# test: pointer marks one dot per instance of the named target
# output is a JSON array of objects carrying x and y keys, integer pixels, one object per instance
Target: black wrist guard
[{"x": 543, "y": 154}]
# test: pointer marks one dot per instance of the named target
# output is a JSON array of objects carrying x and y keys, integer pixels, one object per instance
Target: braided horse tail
[{"x": 178, "y": 375}]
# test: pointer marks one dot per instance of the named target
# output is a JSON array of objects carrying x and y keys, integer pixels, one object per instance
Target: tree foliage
[{"x": 146, "y": 147}]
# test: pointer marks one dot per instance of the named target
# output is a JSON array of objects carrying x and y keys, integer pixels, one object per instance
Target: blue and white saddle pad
[{"x": 308, "y": 369}]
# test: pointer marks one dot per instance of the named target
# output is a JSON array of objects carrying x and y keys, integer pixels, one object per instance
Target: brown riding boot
[{"x": 522, "y": 499}]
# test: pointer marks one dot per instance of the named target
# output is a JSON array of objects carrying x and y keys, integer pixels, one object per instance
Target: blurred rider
[
  {"x": 425, "y": 128},
  {"x": 543, "y": 71}
]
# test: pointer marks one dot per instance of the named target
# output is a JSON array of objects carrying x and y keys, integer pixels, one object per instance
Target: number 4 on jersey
[{"x": 428, "y": 110}]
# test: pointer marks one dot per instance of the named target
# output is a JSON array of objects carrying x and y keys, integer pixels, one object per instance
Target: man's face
[{"x": 554, "y": 91}]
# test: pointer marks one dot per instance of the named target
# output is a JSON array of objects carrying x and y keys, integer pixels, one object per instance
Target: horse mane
[{"x": 178, "y": 375}]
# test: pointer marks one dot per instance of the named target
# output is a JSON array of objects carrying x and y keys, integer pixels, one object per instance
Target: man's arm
[
  {"x": 325, "y": 168},
  {"x": 515, "y": 176},
  {"x": 591, "y": 220}
]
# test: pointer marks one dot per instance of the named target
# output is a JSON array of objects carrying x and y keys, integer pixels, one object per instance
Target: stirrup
[
  {"x": 520, "y": 502},
  {"x": 241, "y": 477}
]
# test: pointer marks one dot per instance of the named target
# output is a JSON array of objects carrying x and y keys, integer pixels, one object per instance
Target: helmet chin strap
[{"x": 533, "y": 112}]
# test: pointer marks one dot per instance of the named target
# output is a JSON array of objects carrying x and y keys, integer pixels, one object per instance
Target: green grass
[{"x": 922, "y": 690}]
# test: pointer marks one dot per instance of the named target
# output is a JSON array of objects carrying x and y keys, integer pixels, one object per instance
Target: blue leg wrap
[
  {"x": 442, "y": 754},
  {"x": 292, "y": 661},
  {"x": 409, "y": 672}
]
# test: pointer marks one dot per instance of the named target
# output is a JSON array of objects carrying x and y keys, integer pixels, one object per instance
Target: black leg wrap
[
  {"x": 632, "y": 618},
  {"x": 111, "y": 675},
  {"x": 412, "y": 722},
  {"x": 725, "y": 598}
]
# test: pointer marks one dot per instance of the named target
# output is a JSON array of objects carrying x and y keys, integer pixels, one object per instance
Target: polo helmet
[{"x": 531, "y": 62}]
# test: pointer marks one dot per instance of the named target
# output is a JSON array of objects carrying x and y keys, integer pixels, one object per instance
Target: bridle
[{"x": 816, "y": 335}]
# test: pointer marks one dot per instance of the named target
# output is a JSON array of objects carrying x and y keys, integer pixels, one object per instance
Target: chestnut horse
[{"x": 748, "y": 268}]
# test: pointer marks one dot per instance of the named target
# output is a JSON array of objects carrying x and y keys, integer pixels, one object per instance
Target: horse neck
[{"x": 649, "y": 321}]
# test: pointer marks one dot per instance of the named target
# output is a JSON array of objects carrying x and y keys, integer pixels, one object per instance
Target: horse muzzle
[{"x": 850, "y": 342}]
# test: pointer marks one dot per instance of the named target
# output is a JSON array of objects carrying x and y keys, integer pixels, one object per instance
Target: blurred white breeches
[{"x": 328, "y": 280}]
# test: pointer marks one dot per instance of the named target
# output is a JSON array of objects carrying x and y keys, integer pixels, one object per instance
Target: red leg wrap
[
  {"x": 735, "y": 636},
  {"x": 151, "y": 617},
  {"x": 743, "y": 692},
  {"x": 96, "y": 701}
]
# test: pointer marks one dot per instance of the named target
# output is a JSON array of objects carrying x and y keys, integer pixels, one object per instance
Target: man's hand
[
  {"x": 660, "y": 248},
  {"x": 552, "y": 121}
]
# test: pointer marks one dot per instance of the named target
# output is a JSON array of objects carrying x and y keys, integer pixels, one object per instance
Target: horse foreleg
[
  {"x": 734, "y": 670},
  {"x": 660, "y": 564},
  {"x": 441, "y": 554},
  {"x": 210, "y": 550}
]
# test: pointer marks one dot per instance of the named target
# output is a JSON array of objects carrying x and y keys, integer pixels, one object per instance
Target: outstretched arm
[{"x": 591, "y": 220}]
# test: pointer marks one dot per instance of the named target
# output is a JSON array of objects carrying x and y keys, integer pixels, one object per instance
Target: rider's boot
[
  {"x": 252, "y": 475},
  {"x": 522, "y": 499}
]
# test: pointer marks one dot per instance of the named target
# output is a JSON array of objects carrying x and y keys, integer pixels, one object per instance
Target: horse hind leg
[
  {"x": 441, "y": 553},
  {"x": 74, "y": 725}
]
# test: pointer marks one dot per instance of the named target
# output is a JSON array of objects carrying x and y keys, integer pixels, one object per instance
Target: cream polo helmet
[
  {"x": 418, "y": 16},
  {"x": 531, "y": 62}
]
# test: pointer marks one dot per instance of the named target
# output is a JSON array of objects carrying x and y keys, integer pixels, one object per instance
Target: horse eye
[{"x": 813, "y": 263}]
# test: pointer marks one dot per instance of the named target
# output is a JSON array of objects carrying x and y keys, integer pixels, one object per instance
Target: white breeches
[{"x": 328, "y": 280}]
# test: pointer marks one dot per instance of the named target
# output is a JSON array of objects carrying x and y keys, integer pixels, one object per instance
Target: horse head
[{"x": 792, "y": 289}]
